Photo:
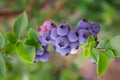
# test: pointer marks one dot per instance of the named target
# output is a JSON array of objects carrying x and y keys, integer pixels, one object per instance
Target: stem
[{"x": 100, "y": 49}]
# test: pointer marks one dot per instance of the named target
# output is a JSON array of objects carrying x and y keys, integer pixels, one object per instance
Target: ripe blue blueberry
[
  {"x": 82, "y": 40},
  {"x": 83, "y": 24},
  {"x": 83, "y": 35},
  {"x": 95, "y": 28},
  {"x": 63, "y": 29},
  {"x": 45, "y": 38},
  {"x": 45, "y": 56},
  {"x": 61, "y": 42},
  {"x": 73, "y": 35},
  {"x": 74, "y": 47},
  {"x": 94, "y": 35},
  {"x": 53, "y": 34},
  {"x": 37, "y": 58},
  {"x": 41, "y": 55},
  {"x": 83, "y": 32},
  {"x": 64, "y": 51},
  {"x": 39, "y": 52},
  {"x": 42, "y": 42}
]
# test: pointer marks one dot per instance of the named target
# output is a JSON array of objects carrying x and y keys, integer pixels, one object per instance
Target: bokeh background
[{"x": 72, "y": 67}]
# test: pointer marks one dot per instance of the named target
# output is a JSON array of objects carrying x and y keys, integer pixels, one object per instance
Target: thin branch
[{"x": 9, "y": 13}]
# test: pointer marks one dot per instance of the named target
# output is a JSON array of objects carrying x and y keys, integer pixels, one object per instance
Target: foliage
[{"x": 24, "y": 37}]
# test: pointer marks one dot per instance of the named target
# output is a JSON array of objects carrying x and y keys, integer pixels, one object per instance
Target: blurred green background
[{"x": 73, "y": 67}]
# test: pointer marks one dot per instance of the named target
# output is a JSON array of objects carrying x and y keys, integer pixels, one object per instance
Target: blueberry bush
[{"x": 34, "y": 45}]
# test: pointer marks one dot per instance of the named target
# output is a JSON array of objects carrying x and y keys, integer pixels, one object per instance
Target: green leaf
[
  {"x": 109, "y": 54},
  {"x": 114, "y": 45},
  {"x": 103, "y": 64},
  {"x": 86, "y": 53},
  {"x": 30, "y": 42},
  {"x": 89, "y": 45},
  {"x": 33, "y": 35},
  {"x": 90, "y": 39},
  {"x": 11, "y": 38},
  {"x": 21, "y": 24},
  {"x": 2, "y": 41},
  {"x": 10, "y": 48},
  {"x": 26, "y": 53},
  {"x": 93, "y": 54},
  {"x": 2, "y": 67},
  {"x": 103, "y": 44},
  {"x": 92, "y": 44}
]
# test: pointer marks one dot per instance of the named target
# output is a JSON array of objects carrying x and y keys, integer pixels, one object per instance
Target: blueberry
[
  {"x": 47, "y": 22},
  {"x": 83, "y": 35},
  {"x": 82, "y": 40},
  {"x": 45, "y": 56},
  {"x": 94, "y": 35},
  {"x": 73, "y": 35},
  {"x": 61, "y": 42},
  {"x": 83, "y": 24},
  {"x": 51, "y": 26},
  {"x": 45, "y": 38},
  {"x": 64, "y": 51},
  {"x": 95, "y": 28},
  {"x": 74, "y": 47},
  {"x": 37, "y": 58},
  {"x": 39, "y": 52},
  {"x": 63, "y": 29},
  {"x": 47, "y": 26},
  {"x": 53, "y": 34},
  {"x": 42, "y": 30},
  {"x": 42, "y": 42}
]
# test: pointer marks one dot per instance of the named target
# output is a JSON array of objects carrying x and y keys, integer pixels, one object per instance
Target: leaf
[
  {"x": 103, "y": 64},
  {"x": 89, "y": 45},
  {"x": 33, "y": 34},
  {"x": 11, "y": 38},
  {"x": 114, "y": 45},
  {"x": 90, "y": 42},
  {"x": 33, "y": 37},
  {"x": 2, "y": 41},
  {"x": 26, "y": 53},
  {"x": 109, "y": 54},
  {"x": 21, "y": 24},
  {"x": 30, "y": 42},
  {"x": 92, "y": 54},
  {"x": 86, "y": 53},
  {"x": 10, "y": 48},
  {"x": 2, "y": 67},
  {"x": 90, "y": 39},
  {"x": 103, "y": 43}
]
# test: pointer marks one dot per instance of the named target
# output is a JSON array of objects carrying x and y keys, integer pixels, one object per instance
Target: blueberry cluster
[{"x": 65, "y": 40}]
